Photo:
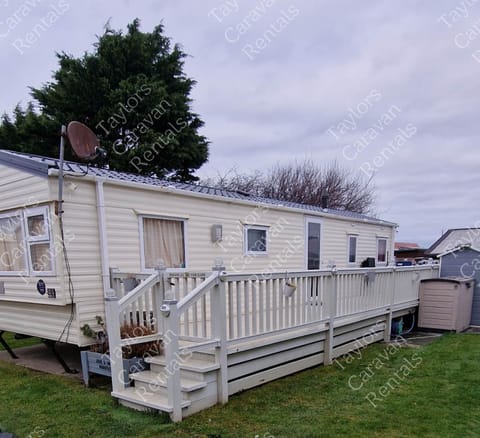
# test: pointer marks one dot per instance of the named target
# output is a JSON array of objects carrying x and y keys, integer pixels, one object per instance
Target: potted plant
[{"x": 97, "y": 359}]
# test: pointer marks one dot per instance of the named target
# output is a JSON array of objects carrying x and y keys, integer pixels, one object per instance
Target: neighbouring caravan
[{"x": 133, "y": 223}]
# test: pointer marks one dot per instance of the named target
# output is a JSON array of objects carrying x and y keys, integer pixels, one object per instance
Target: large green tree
[{"x": 133, "y": 93}]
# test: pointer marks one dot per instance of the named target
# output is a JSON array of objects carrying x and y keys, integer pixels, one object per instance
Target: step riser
[
  {"x": 148, "y": 388},
  {"x": 207, "y": 357},
  {"x": 136, "y": 406},
  {"x": 206, "y": 376},
  {"x": 193, "y": 396},
  {"x": 200, "y": 405},
  {"x": 141, "y": 400},
  {"x": 187, "y": 374}
]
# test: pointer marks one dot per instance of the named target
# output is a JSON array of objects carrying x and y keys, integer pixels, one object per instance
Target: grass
[
  {"x": 17, "y": 343},
  {"x": 434, "y": 393}
]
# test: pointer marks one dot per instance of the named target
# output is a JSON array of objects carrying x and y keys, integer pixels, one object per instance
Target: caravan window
[
  {"x": 255, "y": 240},
  {"x": 38, "y": 240},
  {"x": 12, "y": 251},
  {"x": 382, "y": 250},
  {"x": 25, "y": 243},
  {"x": 352, "y": 249},
  {"x": 163, "y": 242}
]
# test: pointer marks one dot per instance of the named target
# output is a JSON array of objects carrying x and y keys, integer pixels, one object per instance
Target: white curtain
[
  {"x": 163, "y": 240},
  {"x": 41, "y": 257},
  {"x": 12, "y": 250}
]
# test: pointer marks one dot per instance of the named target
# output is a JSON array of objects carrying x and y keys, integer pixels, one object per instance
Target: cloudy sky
[{"x": 387, "y": 88}]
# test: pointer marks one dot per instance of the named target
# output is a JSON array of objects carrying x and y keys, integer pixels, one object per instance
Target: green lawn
[
  {"x": 429, "y": 392},
  {"x": 17, "y": 343}
]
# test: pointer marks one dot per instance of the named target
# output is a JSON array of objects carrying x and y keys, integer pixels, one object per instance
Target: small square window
[
  {"x": 37, "y": 226},
  {"x": 41, "y": 257},
  {"x": 256, "y": 240},
  {"x": 38, "y": 240}
]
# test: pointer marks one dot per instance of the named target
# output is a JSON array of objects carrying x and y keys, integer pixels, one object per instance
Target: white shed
[{"x": 119, "y": 220}]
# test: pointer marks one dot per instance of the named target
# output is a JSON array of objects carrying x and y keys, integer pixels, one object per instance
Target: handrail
[
  {"x": 120, "y": 275},
  {"x": 238, "y": 276},
  {"x": 116, "y": 274},
  {"x": 140, "y": 339},
  {"x": 201, "y": 344},
  {"x": 198, "y": 292},
  {"x": 134, "y": 293}
]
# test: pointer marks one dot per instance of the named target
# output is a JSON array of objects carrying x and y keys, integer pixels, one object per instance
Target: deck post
[
  {"x": 172, "y": 357},
  {"x": 158, "y": 298},
  {"x": 328, "y": 348},
  {"x": 388, "y": 322},
  {"x": 114, "y": 341},
  {"x": 219, "y": 329},
  {"x": 114, "y": 283}
]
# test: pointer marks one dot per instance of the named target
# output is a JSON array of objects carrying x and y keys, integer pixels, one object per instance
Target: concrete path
[{"x": 40, "y": 358}]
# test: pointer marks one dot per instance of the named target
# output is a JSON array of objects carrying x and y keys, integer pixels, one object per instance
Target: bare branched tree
[{"x": 305, "y": 182}]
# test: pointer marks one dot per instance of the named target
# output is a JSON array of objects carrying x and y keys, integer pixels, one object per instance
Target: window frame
[
  {"x": 349, "y": 237},
  {"x": 319, "y": 221},
  {"x": 18, "y": 214},
  {"x": 246, "y": 251},
  {"x": 378, "y": 251},
  {"x": 142, "y": 240},
  {"x": 36, "y": 240},
  {"x": 28, "y": 241}
]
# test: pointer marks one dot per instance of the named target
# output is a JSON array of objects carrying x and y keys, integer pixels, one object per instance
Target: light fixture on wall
[{"x": 218, "y": 264}]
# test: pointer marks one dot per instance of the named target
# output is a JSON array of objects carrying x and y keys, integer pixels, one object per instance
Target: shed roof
[
  {"x": 459, "y": 248},
  {"x": 456, "y": 238},
  {"x": 406, "y": 246},
  {"x": 41, "y": 165}
]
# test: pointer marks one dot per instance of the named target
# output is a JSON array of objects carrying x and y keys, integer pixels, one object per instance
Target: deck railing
[{"x": 216, "y": 310}]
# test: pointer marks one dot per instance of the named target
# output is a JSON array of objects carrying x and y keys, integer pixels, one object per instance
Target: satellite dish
[
  {"x": 84, "y": 142},
  {"x": 86, "y": 146}
]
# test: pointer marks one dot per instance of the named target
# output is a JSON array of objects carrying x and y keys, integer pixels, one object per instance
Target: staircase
[{"x": 198, "y": 384}]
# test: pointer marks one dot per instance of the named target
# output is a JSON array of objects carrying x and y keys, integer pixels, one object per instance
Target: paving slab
[{"x": 40, "y": 358}]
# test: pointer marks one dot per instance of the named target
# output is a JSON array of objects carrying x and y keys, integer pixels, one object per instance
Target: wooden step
[
  {"x": 192, "y": 364},
  {"x": 207, "y": 356},
  {"x": 152, "y": 378},
  {"x": 140, "y": 400}
]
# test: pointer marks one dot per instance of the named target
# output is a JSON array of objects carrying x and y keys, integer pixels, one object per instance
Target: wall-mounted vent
[{"x": 217, "y": 232}]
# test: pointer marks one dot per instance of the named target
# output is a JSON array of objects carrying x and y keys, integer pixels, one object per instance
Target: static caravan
[{"x": 50, "y": 286}]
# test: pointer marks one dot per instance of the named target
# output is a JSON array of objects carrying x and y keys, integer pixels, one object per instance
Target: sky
[{"x": 389, "y": 89}]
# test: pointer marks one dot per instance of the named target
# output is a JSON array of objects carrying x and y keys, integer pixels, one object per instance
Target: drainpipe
[
  {"x": 102, "y": 230},
  {"x": 111, "y": 302}
]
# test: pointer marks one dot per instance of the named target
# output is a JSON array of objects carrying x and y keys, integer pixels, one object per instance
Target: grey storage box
[{"x": 446, "y": 303}]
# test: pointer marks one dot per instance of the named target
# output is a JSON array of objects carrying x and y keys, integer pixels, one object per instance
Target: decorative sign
[{"x": 41, "y": 287}]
